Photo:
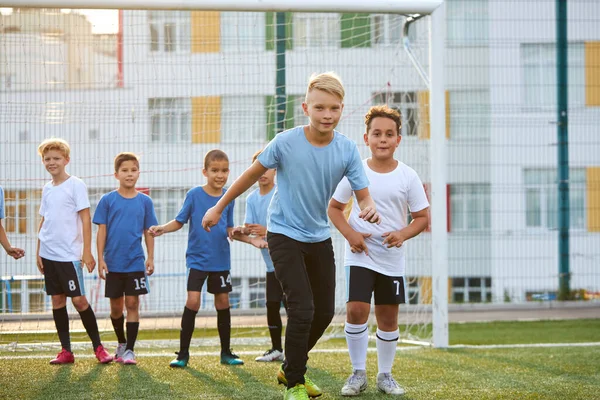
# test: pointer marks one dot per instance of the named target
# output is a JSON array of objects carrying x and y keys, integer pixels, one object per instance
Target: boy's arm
[
  {"x": 169, "y": 227},
  {"x": 356, "y": 240},
  {"x": 366, "y": 204},
  {"x": 150, "y": 248},
  {"x": 86, "y": 221},
  {"x": 100, "y": 245},
  {"x": 14, "y": 252},
  {"x": 417, "y": 225},
  {"x": 241, "y": 184},
  {"x": 38, "y": 259},
  {"x": 256, "y": 241}
]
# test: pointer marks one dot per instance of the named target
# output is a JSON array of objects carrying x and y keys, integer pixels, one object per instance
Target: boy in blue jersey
[
  {"x": 255, "y": 224},
  {"x": 123, "y": 216},
  {"x": 207, "y": 257},
  {"x": 310, "y": 161},
  {"x": 14, "y": 252}
]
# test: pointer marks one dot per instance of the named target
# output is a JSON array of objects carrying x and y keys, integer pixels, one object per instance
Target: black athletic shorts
[
  {"x": 217, "y": 281},
  {"x": 126, "y": 283},
  {"x": 63, "y": 278},
  {"x": 363, "y": 282}
]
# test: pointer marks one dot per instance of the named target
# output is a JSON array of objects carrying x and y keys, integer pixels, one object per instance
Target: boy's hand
[
  {"x": 392, "y": 239},
  {"x": 369, "y": 214},
  {"x": 149, "y": 266},
  {"x": 102, "y": 269},
  {"x": 259, "y": 242},
  {"x": 40, "y": 264},
  {"x": 88, "y": 260},
  {"x": 15, "y": 252},
  {"x": 211, "y": 218},
  {"x": 156, "y": 230},
  {"x": 256, "y": 229},
  {"x": 356, "y": 240},
  {"x": 238, "y": 230}
]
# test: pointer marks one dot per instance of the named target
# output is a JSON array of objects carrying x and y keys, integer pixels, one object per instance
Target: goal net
[{"x": 169, "y": 85}]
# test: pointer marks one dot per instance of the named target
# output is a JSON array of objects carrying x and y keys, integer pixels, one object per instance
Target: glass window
[
  {"x": 316, "y": 30},
  {"x": 407, "y": 104},
  {"x": 467, "y": 22},
  {"x": 170, "y": 119},
  {"x": 242, "y": 119},
  {"x": 470, "y": 114},
  {"x": 470, "y": 207},
  {"x": 169, "y": 31}
]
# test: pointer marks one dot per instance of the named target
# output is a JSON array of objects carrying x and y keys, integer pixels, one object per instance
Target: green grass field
[{"x": 456, "y": 373}]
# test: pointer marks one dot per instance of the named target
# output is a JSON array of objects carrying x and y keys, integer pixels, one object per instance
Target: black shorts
[
  {"x": 217, "y": 281},
  {"x": 274, "y": 290},
  {"x": 362, "y": 282},
  {"x": 127, "y": 283},
  {"x": 63, "y": 278}
]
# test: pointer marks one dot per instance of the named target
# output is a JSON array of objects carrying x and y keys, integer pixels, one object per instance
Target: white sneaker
[
  {"x": 129, "y": 358},
  {"x": 356, "y": 383},
  {"x": 270, "y": 355},
  {"x": 387, "y": 385},
  {"x": 120, "y": 351}
]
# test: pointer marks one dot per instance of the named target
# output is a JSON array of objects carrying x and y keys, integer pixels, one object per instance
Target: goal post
[{"x": 437, "y": 306}]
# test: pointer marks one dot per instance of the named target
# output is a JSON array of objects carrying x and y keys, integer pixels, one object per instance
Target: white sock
[
  {"x": 386, "y": 350},
  {"x": 357, "y": 337}
]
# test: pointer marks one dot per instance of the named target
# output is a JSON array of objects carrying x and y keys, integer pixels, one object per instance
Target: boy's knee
[
  {"x": 80, "y": 303},
  {"x": 132, "y": 303}
]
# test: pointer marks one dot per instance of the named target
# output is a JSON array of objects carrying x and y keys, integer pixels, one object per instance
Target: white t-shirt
[
  {"x": 394, "y": 193},
  {"x": 61, "y": 236}
]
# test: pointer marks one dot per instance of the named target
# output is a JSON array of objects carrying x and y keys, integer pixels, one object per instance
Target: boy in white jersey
[
  {"x": 310, "y": 162},
  {"x": 379, "y": 269},
  {"x": 64, "y": 246}
]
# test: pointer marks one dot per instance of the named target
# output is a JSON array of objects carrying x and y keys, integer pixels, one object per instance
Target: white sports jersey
[
  {"x": 394, "y": 193},
  {"x": 61, "y": 236}
]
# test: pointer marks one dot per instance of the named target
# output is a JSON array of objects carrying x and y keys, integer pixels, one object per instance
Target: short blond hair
[
  {"x": 54, "y": 144},
  {"x": 328, "y": 82}
]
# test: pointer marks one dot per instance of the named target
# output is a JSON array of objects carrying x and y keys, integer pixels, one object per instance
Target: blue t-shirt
[
  {"x": 206, "y": 251},
  {"x": 125, "y": 220},
  {"x": 306, "y": 179},
  {"x": 256, "y": 213},
  {"x": 1, "y": 203}
]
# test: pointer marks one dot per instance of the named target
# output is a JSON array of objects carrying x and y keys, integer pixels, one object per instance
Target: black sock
[
  {"x": 188, "y": 321},
  {"x": 117, "y": 324},
  {"x": 61, "y": 321},
  {"x": 224, "y": 327},
  {"x": 274, "y": 322},
  {"x": 91, "y": 326},
  {"x": 132, "y": 332}
]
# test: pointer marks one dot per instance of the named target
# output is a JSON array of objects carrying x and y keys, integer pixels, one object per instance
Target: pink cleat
[
  {"x": 64, "y": 357},
  {"x": 102, "y": 355}
]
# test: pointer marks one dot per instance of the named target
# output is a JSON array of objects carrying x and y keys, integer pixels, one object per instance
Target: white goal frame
[{"x": 435, "y": 82}]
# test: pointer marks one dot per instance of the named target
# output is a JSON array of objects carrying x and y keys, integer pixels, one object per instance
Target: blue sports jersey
[
  {"x": 206, "y": 251},
  {"x": 125, "y": 220},
  {"x": 1, "y": 203},
  {"x": 256, "y": 213},
  {"x": 306, "y": 179}
]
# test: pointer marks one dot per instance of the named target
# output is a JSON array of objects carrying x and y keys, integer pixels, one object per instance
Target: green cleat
[
  {"x": 311, "y": 388},
  {"x": 298, "y": 392},
  {"x": 181, "y": 361},
  {"x": 228, "y": 358}
]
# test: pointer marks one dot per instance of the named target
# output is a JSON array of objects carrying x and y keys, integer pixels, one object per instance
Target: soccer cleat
[
  {"x": 228, "y": 358},
  {"x": 387, "y": 385},
  {"x": 102, "y": 355},
  {"x": 311, "y": 388},
  {"x": 181, "y": 361},
  {"x": 120, "y": 351},
  {"x": 270, "y": 355},
  {"x": 298, "y": 392},
  {"x": 129, "y": 358},
  {"x": 64, "y": 357},
  {"x": 356, "y": 383}
]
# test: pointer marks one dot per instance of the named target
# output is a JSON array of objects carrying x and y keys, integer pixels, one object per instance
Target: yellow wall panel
[
  {"x": 593, "y": 198},
  {"x": 206, "y": 32},
  {"x": 424, "y": 130},
  {"x": 425, "y": 290},
  {"x": 206, "y": 119},
  {"x": 592, "y": 73}
]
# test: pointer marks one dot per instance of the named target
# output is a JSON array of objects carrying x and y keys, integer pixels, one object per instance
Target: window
[
  {"x": 541, "y": 198},
  {"x": 470, "y": 114},
  {"x": 235, "y": 297},
  {"x": 408, "y": 105},
  {"x": 169, "y": 31},
  {"x": 387, "y": 29},
  {"x": 472, "y": 289},
  {"x": 6, "y": 82},
  {"x": 316, "y": 29},
  {"x": 257, "y": 290},
  {"x": 538, "y": 63},
  {"x": 467, "y": 22},
  {"x": 37, "y": 295},
  {"x": 167, "y": 202},
  {"x": 242, "y": 31},
  {"x": 22, "y": 210},
  {"x": 242, "y": 119},
  {"x": 470, "y": 207},
  {"x": 413, "y": 290},
  {"x": 170, "y": 120}
]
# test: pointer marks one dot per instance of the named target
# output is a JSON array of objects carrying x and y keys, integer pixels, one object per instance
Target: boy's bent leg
[
  {"x": 320, "y": 266},
  {"x": 290, "y": 270},
  {"x": 132, "y": 303}
]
